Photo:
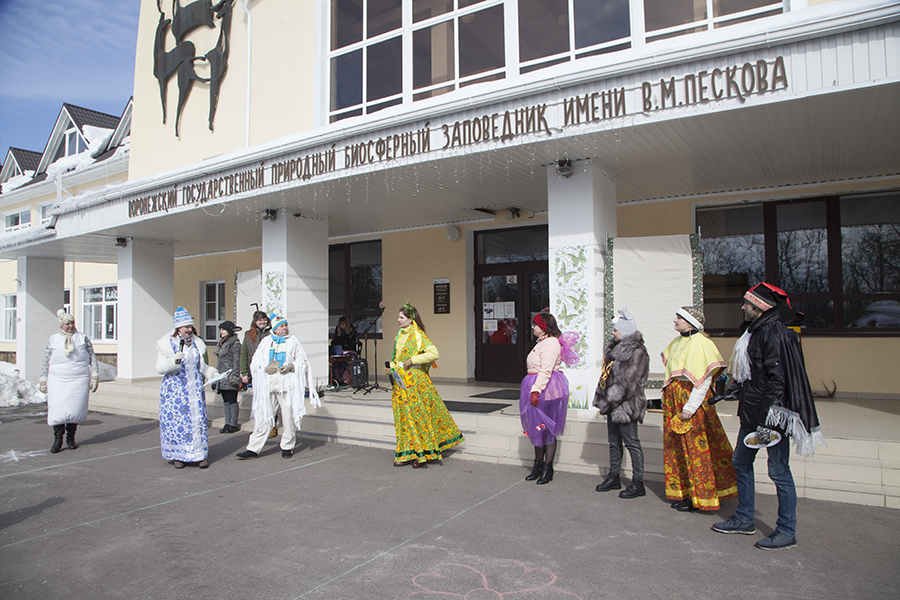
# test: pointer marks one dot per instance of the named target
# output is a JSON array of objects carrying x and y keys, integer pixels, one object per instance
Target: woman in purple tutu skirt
[{"x": 544, "y": 395}]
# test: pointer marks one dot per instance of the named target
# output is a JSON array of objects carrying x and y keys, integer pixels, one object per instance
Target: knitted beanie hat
[
  {"x": 276, "y": 321},
  {"x": 692, "y": 315},
  {"x": 64, "y": 317},
  {"x": 766, "y": 296},
  {"x": 182, "y": 317},
  {"x": 625, "y": 324}
]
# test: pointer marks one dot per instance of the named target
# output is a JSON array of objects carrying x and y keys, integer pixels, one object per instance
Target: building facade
[{"x": 481, "y": 159}]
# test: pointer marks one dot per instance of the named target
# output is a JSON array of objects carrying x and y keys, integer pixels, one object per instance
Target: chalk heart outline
[{"x": 499, "y": 579}]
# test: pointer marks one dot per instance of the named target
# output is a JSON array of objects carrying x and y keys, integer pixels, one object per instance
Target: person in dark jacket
[
  {"x": 228, "y": 353},
  {"x": 620, "y": 396},
  {"x": 776, "y": 402}
]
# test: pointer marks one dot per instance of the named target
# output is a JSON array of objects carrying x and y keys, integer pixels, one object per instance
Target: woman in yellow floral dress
[
  {"x": 424, "y": 427},
  {"x": 696, "y": 450}
]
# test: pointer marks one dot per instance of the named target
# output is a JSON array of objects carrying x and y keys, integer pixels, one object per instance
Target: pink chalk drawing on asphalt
[{"x": 497, "y": 580}]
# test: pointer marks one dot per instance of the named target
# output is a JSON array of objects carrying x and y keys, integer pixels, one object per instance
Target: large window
[
  {"x": 213, "y": 308},
  {"x": 838, "y": 258},
  {"x": 9, "y": 317},
  {"x": 17, "y": 220},
  {"x": 354, "y": 286},
  {"x": 670, "y": 18},
  {"x": 555, "y": 31},
  {"x": 100, "y": 312}
]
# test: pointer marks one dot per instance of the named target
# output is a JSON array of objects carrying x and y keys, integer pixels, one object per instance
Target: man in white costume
[{"x": 281, "y": 378}]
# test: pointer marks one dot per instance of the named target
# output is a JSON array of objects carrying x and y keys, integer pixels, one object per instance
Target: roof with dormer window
[
  {"x": 25, "y": 160},
  {"x": 79, "y": 117}
]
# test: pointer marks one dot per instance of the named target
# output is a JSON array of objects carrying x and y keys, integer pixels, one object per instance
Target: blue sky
[{"x": 55, "y": 51}]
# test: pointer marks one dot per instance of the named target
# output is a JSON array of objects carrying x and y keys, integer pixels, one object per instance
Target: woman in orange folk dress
[
  {"x": 423, "y": 425},
  {"x": 696, "y": 450}
]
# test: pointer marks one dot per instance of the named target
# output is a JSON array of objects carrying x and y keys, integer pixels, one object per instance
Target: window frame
[
  {"x": 104, "y": 305},
  {"x": 220, "y": 308},
  {"x": 10, "y": 317},
  {"x": 355, "y": 315},
  {"x": 16, "y": 213},
  {"x": 834, "y": 261}
]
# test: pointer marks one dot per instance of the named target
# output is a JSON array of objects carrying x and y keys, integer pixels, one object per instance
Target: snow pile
[
  {"x": 15, "y": 391},
  {"x": 107, "y": 372},
  {"x": 98, "y": 139},
  {"x": 17, "y": 181}
]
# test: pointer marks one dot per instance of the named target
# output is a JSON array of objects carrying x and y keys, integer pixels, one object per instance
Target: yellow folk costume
[
  {"x": 696, "y": 452},
  {"x": 423, "y": 426}
]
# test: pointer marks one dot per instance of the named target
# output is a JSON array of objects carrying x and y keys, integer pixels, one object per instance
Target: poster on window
[
  {"x": 490, "y": 325},
  {"x": 487, "y": 310}
]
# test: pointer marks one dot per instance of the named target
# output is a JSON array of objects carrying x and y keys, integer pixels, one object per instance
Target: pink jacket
[{"x": 543, "y": 359}]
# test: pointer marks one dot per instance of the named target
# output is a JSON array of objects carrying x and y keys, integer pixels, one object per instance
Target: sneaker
[
  {"x": 224, "y": 429},
  {"x": 203, "y": 464},
  {"x": 777, "y": 541},
  {"x": 247, "y": 454},
  {"x": 735, "y": 525},
  {"x": 287, "y": 453}
]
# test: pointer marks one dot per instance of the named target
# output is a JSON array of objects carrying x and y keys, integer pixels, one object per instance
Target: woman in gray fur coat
[
  {"x": 228, "y": 353},
  {"x": 620, "y": 396}
]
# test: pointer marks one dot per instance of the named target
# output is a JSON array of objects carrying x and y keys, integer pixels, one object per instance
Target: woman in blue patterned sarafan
[{"x": 181, "y": 360}]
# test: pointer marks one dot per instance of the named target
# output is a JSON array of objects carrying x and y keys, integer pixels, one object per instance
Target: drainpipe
[{"x": 249, "y": 37}]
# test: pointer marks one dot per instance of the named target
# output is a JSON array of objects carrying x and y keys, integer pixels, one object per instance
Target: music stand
[{"x": 374, "y": 386}]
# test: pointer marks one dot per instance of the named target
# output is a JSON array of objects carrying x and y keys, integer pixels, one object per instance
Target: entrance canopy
[{"x": 754, "y": 123}]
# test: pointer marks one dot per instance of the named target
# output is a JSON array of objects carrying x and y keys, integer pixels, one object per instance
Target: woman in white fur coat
[
  {"x": 68, "y": 371},
  {"x": 281, "y": 377},
  {"x": 181, "y": 360}
]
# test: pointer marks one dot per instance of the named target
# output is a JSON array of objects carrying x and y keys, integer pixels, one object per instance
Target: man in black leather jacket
[{"x": 776, "y": 403}]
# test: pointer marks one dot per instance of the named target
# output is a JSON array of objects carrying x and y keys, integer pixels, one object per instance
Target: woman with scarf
[
  {"x": 544, "y": 394},
  {"x": 181, "y": 360},
  {"x": 696, "y": 451},
  {"x": 228, "y": 358},
  {"x": 282, "y": 377},
  {"x": 423, "y": 425},
  {"x": 68, "y": 371}
]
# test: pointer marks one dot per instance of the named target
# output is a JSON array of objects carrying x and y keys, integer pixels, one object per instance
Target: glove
[
  {"x": 288, "y": 368},
  {"x": 730, "y": 394},
  {"x": 178, "y": 357},
  {"x": 534, "y": 398},
  {"x": 95, "y": 383},
  {"x": 42, "y": 385},
  {"x": 271, "y": 368}
]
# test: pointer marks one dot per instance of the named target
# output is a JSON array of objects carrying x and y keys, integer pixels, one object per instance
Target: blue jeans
[{"x": 779, "y": 473}]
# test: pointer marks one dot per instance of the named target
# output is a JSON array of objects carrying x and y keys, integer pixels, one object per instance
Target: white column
[
  {"x": 146, "y": 301},
  {"x": 582, "y": 212},
  {"x": 295, "y": 281},
  {"x": 41, "y": 284}
]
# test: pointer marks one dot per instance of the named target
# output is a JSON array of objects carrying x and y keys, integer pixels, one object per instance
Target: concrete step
[{"x": 858, "y": 471}]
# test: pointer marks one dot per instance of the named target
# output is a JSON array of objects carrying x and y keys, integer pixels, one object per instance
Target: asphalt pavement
[{"x": 112, "y": 519}]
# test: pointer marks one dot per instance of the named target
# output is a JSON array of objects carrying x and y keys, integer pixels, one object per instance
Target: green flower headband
[{"x": 410, "y": 310}]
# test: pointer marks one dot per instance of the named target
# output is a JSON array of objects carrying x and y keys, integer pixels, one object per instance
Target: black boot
[
  {"x": 546, "y": 474},
  {"x": 635, "y": 490},
  {"x": 70, "y": 435},
  {"x": 58, "y": 431},
  {"x": 610, "y": 483},
  {"x": 535, "y": 470}
]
